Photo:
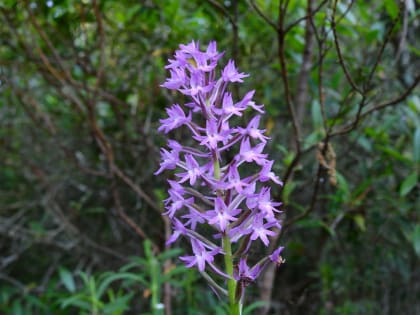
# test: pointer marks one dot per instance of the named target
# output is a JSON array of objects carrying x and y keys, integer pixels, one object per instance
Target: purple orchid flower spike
[
  {"x": 266, "y": 174},
  {"x": 212, "y": 137},
  {"x": 234, "y": 179},
  {"x": 176, "y": 118},
  {"x": 215, "y": 202},
  {"x": 252, "y": 154},
  {"x": 252, "y": 130},
  {"x": 193, "y": 170},
  {"x": 246, "y": 274},
  {"x": 263, "y": 202},
  {"x": 261, "y": 230},
  {"x": 221, "y": 217},
  {"x": 275, "y": 256},
  {"x": 175, "y": 202},
  {"x": 231, "y": 74},
  {"x": 229, "y": 108},
  {"x": 169, "y": 160},
  {"x": 202, "y": 257},
  {"x": 179, "y": 229}
]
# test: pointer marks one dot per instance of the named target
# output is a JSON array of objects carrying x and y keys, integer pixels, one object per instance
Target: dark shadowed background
[{"x": 81, "y": 230}]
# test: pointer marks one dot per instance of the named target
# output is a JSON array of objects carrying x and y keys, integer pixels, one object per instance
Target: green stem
[
  {"x": 155, "y": 274},
  {"x": 234, "y": 306},
  {"x": 216, "y": 166}
]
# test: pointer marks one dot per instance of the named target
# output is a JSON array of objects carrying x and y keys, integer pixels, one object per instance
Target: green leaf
[
  {"x": 360, "y": 222},
  {"x": 168, "y": 254},
  {"x": 416, "y": 145},
  {"x": 136, "y": 262},
  {"x": 313, "y": 138},
  {"x": 315, "y": 223},
  {"x": 414, "y": 102},
  {"x": 393, "y": 153},
  {"x": 17, "y": 308},
  {"x": 147, "y": 245},
  {"x": 416, "y": 239},
  {"x": 179, "y": 270},
  {"x": 34, "y": 301},
  {"x": 288, "y": 158},
  {"x": 67, "y": 279},
  {"x": 7, "y": 3},
  {"x": 317, "y": 115},
  {"x": 250, "y": 308},
  {"x": 408, "y": 184},
  {"x": 414, "y": 49},
  {"x": 344, "y": 189},
  {"x": 119, "y": 276},
  {"x": 160, "y": 195},
  {"x": 287, "y": 191},
  {"x": 391, "y": 7},
  {"x": 78, "y": 300},
  {"x": 118, "y": 305}
]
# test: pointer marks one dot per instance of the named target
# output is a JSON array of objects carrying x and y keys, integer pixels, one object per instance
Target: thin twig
[
  {"x": 136, "y": 188},
  {"x": 338, "y": 49},
  {"x": 120, "y": 210},
  {"x": 263, "y": 16},
  {"x": 307, "y": 16},
  {"x": 349, "y": 127},
  {"x": 46, "y": 39},
  {"x": 382, "y": 48},
  {"x": 99, "y": 22},
  {"x": 222, "y": 9}
]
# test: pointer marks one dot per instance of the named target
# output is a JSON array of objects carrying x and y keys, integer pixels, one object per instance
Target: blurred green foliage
[{"x": 79, "y": 107}]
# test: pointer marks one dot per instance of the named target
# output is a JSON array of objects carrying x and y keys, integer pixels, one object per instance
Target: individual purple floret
[{"x": 219, "y": 204}]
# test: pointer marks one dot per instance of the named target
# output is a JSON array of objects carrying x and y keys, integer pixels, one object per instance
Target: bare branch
[
  {"x": 338, "y": 49},
  {"x": 264, "y": 17},
  {"x": 100, "y": 72},
  {"x": 225, "y": 12},
  {"x": 382, "y": 48},
  {"x": 136, "y": 188},
  {"x": 349, "y": 127},
  {"x": 307, "y": 16},
  {"x": 120, "y": 210}
]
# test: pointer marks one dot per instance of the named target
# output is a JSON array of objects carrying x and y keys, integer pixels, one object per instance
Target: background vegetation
[{"x": 81, "y": 230}]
